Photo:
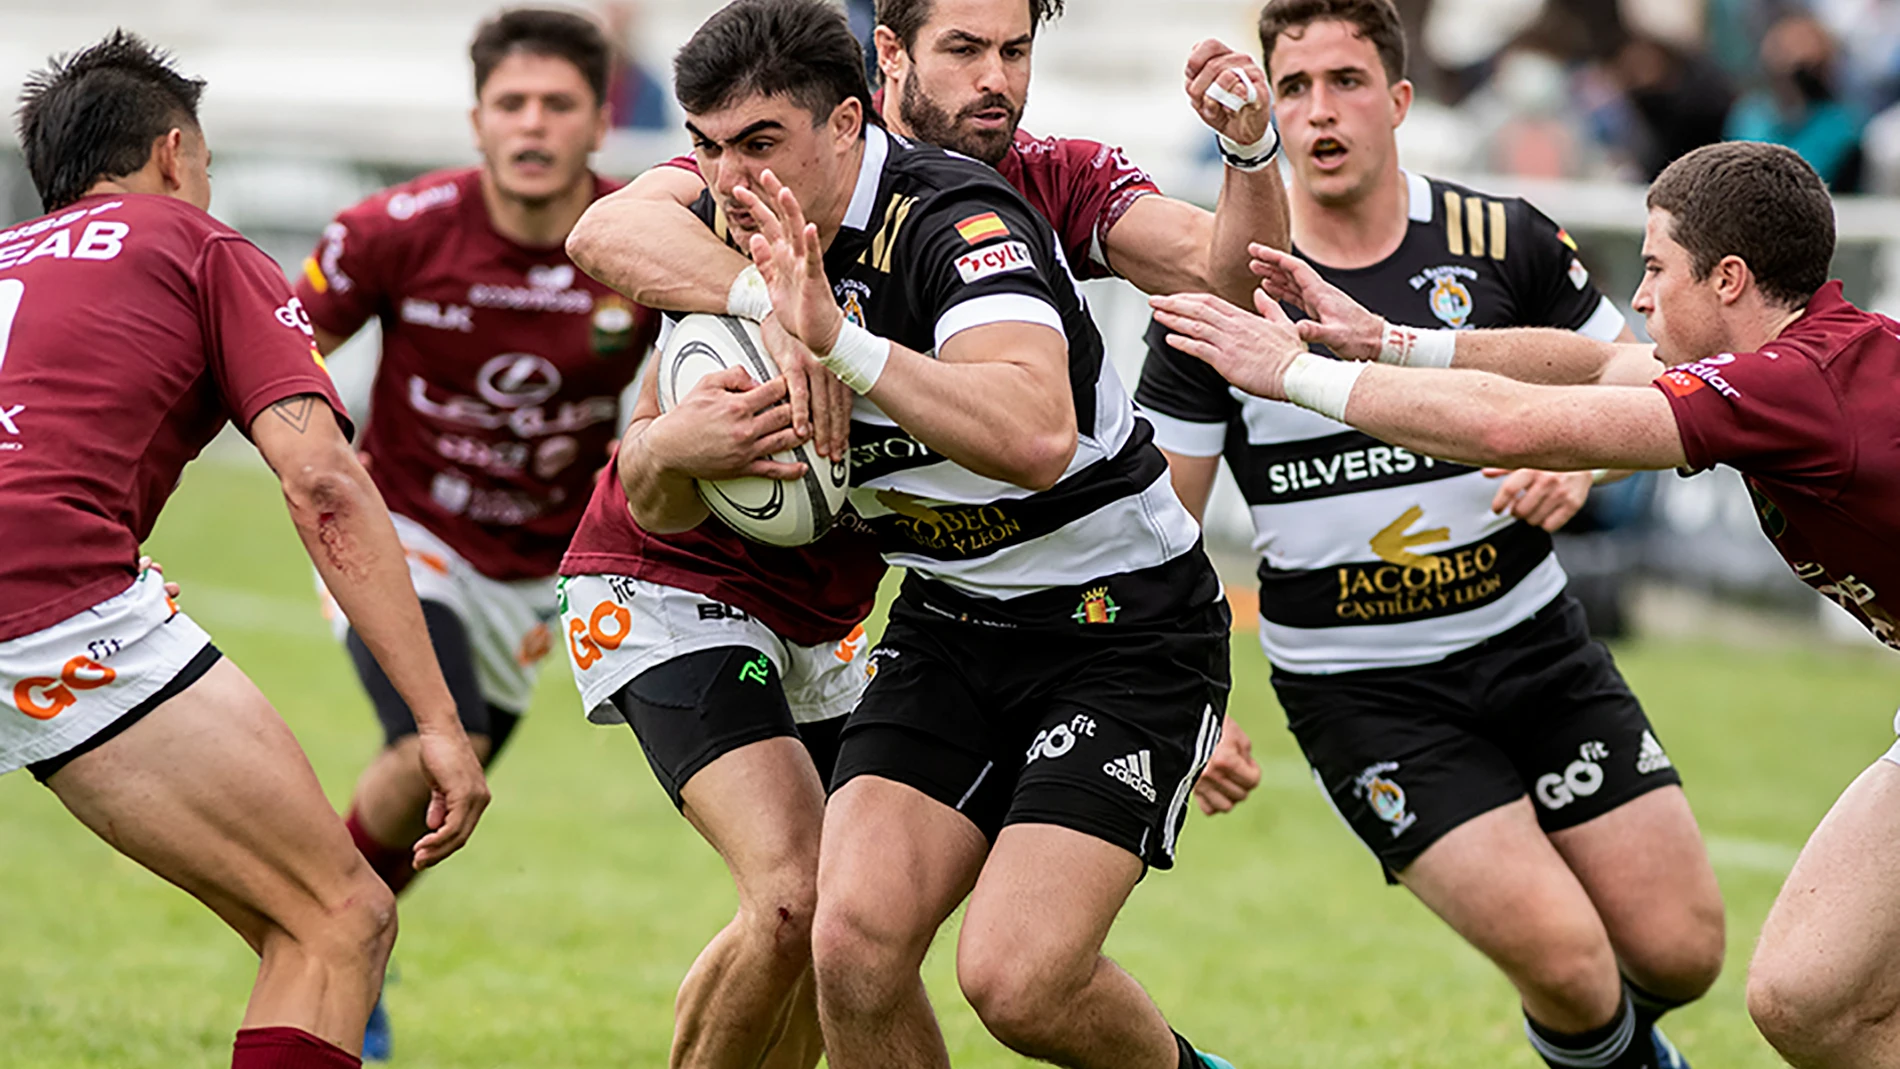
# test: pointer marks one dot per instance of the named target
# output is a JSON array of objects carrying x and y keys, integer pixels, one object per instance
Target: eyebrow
[
  {"x": 1354, "y": 69},
  {"x": 758, "y": 127},
  {"x": 966, "y": 37}
]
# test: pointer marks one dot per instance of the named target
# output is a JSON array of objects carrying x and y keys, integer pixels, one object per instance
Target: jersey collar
[
  {"x": 877, "y": 147},
  {"x": 1419, "y": 193}
]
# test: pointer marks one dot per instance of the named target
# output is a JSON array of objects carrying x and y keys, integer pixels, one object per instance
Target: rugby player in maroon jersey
[
  {"x": 1760, "y": 363},
  {"x": 109, "y": 694},
  {"x": 497, "y": 395},
  {"x": 755, "y": 785}
]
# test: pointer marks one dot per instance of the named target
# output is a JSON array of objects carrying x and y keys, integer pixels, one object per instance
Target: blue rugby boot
[
  {"x": 1213, "y": 1061},
  {"x": 377, "y": 1042},
  {"x": 1667, "y": 1056}
]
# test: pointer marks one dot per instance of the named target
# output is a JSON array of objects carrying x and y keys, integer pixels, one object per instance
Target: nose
[
  {"x": 1319, "y": 105},
  {"x": 991, "y": 77},
  {"x": 1645, "y": 301}
]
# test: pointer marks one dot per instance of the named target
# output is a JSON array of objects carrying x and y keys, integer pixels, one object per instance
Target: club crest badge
[
  {"x": 1386, "y": 798},
  {"x": 1097, "y": 608},
  {"x": 1451, "y": 301}
]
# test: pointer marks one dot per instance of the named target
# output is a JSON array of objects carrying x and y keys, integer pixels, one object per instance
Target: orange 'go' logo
[
  {"x": 80, "y": 673},
  {"x": 585, "y": 641}
]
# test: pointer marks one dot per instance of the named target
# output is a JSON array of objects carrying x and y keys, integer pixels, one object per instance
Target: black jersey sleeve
[
  {"x": 1548, "y": 281},
  {"x": 1186, "y": 400},
  {"x": 974, "y": 256}
]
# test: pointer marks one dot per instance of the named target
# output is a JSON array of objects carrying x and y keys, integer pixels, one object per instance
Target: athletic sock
[
  {"x": 1613, "y": 1046},
  {"x": 1649, "y": 1006},
  {"x": 288, "y": 1048},
  {"x": 392, "y": 863},
  {"x": 1189, "y": 1059}
]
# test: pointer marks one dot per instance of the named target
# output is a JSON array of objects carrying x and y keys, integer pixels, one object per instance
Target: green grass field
[{"x": 558, "y": 937}]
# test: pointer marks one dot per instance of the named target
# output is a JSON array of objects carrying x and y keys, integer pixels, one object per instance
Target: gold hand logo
[
  {"x": 908, "y": 506},
  {"x": 1394, "y": 546}
]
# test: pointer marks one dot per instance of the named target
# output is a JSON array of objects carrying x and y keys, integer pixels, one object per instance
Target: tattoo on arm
[{"x": 296, "y": 411}]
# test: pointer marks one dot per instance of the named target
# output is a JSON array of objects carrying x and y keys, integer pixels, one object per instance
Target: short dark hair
[
  {"x": 94, "y": 114},
  {"x": 540, "y": 31},
  {"x": 1375, "y": 20},
  {"x": 802, "y": 49},
  {"x": 905, "y": 17},
  {"x": 1760, "y": 202}
]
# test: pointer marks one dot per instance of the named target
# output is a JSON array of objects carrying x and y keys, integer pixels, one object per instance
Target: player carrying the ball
[
  {"x": 133, "y": 326},
  {"x": 1759, "y": 363},
  {"x": 496, "y": 399},
  {"x": 748, "y": 765}
]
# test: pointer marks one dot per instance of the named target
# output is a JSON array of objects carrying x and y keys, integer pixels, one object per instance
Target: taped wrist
[
  {"x": 749, "y": 298},
  {"x": 1320, "y": 384},
  {"x": 1413, "y": 347},
  {"x": 857, "y": 357}
]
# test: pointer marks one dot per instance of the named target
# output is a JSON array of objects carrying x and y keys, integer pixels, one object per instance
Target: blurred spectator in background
[
  {"x": 1678, "y": 100},
  {"x": 1799, "y": 106},
  {"x": 638, "y": 99},
  {"x": 863, "y": 16}
]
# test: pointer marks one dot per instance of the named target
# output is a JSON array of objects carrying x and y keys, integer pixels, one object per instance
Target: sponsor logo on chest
[{"x": 550, "y": 288}]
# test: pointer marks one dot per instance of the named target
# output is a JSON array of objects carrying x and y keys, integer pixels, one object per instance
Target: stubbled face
[
  {"x": 1684, "y": 315},
  {"x": 1336, "y": 109},
  {"x": 737, "y": 143},
  {"x": 964, "y": 83},
  {"x": 536, "y": 122}
]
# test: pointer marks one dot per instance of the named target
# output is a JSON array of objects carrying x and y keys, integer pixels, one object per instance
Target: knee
[
  {"x": 858, "y": 954},
  {"x": 779, "y": 919},
  {"x": 1020, "y": 1004},
  {"x": 1810, "y": 1015},
  {"x": 353, "y": 928},
  {"x": 1680, "y": 969},
  {"x": 1578, "y": 973}
]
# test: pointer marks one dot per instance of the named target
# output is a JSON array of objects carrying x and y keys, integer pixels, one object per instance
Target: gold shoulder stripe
[
  {"x": 1454, "y": 223},
  {"x": 1474, "y": 224},
  {"x": 720, "y": 227},
  {"x": 1497, "y": 230},
  {"x": 884, "y": 242}
]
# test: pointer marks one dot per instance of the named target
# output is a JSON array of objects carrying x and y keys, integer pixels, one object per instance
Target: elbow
[
  {"x": 1042, "y": 459},
  {"x": 584, "y": 242},
  {"x": 322, "y": 488}
]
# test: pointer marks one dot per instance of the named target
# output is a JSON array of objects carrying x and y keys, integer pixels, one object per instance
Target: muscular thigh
[{"x": 211, "y": 792}]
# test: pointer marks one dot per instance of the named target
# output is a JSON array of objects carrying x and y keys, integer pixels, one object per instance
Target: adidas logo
[
  {"x": 1651, "y": 758},
  {"x": 1135, "y": 771}
]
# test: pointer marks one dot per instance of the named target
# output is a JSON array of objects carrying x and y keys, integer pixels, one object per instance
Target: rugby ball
[{"x": 777, "y": 512}]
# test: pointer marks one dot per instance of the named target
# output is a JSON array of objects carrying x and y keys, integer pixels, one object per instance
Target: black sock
[
  {"x": 1189, "y": 1060},
  {"x": 1649, "y": 1006},
  {"x": 1617, "y": 1045}
]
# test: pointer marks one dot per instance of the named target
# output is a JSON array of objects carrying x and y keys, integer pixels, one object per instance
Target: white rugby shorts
[
  {"x": 508, "y": 622},
  {"x": 62, "y": 685},
  {"x": 616, "y": 627}
]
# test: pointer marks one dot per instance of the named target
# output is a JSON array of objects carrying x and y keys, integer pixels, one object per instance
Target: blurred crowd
[{"x": 1618, "y": 88}]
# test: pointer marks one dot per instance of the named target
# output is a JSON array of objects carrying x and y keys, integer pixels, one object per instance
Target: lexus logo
[{"x": 513, "y": 380}]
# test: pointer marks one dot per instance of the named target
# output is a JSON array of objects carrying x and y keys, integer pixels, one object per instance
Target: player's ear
[
  {"x": 168, "y": 154},
  {"x": 1401, "y": 100},
  {"x": 892, "y": 59},
  {"x": 1732, "y": 279},
  {"x": 847, "y": 121},
  {"x": 603, "y": 122}
]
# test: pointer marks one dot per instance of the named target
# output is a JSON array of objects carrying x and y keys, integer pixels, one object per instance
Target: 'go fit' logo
[
  {"x": 80, "y": 673},
  {"x": 585, "y": 641}
]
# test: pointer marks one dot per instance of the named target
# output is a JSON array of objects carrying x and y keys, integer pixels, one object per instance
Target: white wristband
[
  {"x": 749, "y": 298},
  {"x": 1255, "y": 157},
  {"x": 857, "y": 357},
  {"x": 1321, "y": 384},
  {"x": 1413, "y": 347}
]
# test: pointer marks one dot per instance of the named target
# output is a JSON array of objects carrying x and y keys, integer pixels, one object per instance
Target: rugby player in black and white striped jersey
[{"x": 1437, "y": 676}]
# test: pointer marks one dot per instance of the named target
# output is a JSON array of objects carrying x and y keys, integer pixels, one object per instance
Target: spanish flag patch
[
  {"x": 980, "y": 228},
  {"x": 1564, "y": 236}
]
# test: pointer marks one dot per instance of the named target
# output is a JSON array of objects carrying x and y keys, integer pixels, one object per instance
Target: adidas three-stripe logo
[{"x": 1134, "y": 770}]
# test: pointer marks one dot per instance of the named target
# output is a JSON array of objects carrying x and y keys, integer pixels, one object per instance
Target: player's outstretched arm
[
  {"x": 1006, "y": 375},
  {"x": 1528, "y": 354},
  {"x": 725, "y": 427},
  {"x": 1469, "y": 416},
  {"x": 347, "y": 532},
  {"x": 644, "y": 240}
]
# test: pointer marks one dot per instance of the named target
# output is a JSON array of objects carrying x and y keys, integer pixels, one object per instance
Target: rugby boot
[
  {"x": 1667, "y": 1056},
  {"x": 377, "y": 1042},
  {"x": 1213, "y": 1061}
]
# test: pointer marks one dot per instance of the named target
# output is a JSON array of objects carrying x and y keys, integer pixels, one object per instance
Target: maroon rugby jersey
[
  {"x": 132, "y": 327},
  {"x": 497, "y": 397},
  {"x": 1812, "y": 421},
  {"x": 816, "y": 594}
]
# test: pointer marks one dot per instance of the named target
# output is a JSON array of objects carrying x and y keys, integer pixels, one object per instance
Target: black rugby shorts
[
  {"x": 1093, "y": 728},
  {"x": 1409, "y": 753}
]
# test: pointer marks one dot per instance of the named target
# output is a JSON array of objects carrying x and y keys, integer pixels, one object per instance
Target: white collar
[
  {"x": 1419, "y": 196},
  {"x": 877, "y": 147}
]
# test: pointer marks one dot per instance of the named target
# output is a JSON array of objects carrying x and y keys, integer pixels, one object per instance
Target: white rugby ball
[{"x": 778, "y": 512}]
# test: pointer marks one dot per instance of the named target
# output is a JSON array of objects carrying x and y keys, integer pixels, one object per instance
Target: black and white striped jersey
[
  {"x": 1373, "y": 556},
  {"x": 934, "y": 244}
]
